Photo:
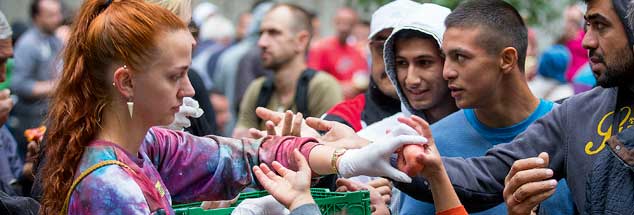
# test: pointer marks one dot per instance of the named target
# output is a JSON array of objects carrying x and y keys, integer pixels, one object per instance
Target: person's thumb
[{"x": 545, "y": 157}]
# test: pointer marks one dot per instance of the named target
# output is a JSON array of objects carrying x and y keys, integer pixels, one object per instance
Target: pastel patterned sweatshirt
[{"x": 174, "y": 166}]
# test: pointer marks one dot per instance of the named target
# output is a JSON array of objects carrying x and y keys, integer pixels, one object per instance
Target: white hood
[{"x": 427, "y": 18}]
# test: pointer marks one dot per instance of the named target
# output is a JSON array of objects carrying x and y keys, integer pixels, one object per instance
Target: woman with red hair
[{"x": 125, "y": 71}]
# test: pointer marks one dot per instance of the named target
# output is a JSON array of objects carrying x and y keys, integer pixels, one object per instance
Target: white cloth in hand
[
  {"x": 374, "y": 159},
  {"x": 190, "y": 108},
  {"x": 266, "y": 205}
]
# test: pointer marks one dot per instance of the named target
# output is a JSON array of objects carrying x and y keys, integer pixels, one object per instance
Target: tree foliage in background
[{"x": 536, "y": 12}]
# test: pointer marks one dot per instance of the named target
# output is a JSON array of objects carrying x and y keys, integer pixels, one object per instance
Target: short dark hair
[
  {"x": 34, "y": 8},
  {"x": 301, "y": 19},
  {"x": 407, "y": 34},
  {"x": 500, "y": 25}
]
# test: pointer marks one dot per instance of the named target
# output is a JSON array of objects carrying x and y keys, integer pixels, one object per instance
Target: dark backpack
[{"x": 301, "y": 92}]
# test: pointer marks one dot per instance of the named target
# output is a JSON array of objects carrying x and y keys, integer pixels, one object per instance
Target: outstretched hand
[
  {"x": 419, "y": 159},
  {"x": 337, "y": 134},
  {"x": 290, "y": 188},
  {"x": 374, "y": 159},
  {"x": 282, "y": 124},
  {"x": 528, "y": 183}
]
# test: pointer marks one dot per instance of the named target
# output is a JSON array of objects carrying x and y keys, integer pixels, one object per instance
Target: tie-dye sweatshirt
[{"x": 174, "y": 166}]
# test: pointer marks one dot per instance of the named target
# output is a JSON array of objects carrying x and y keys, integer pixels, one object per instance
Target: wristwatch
[{"x": 335, "y": 156}]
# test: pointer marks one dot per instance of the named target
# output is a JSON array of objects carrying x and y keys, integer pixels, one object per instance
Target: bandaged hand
[
  {"x": 374, "y": 159},
  {"x": 190, "y": 108}
]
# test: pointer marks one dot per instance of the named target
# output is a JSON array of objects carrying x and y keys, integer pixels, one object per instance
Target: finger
[
  {"x": 525, "y": 206},
  {"x": 379, "y": 182},
  {"x": 424, "y": 125},
  {"x": 4, "y": 93},
  {"x": 288, "y": 122},
  {"x": 545, "y": 157},
  {"x": 387, "y": 199},
  {"x": 525, "y": 164},
  {"x": 528, "y": 176},
  {"x": 256, "y": 134},
  {"x": 384, "y": 190},
  {"x": 395, "y": 174},
  {"x": 533, "y": 188},
  {"x": 403, "y": 129},
  {"x": 264, "y": 180},
  {"x": 272, "y": 175},
  {"x": 402, "y": 140},
  {"x": 301, "y": 162},
  {"x": 319, "y": 124},
  {"x": 283, "y": 171},
  {"x": 348, "y": 184},
  {"x": 266, "y": 114},
  {"x": 412, "y": 124},
  {"x": 341, "y": 189},
  {"x": 297, "y": 125},
  {"x": 270, "y": 128},
  {"x": 265, "y": 169}
]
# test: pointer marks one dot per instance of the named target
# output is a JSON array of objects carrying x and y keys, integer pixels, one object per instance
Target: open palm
[{"x": 290, "y": 188}]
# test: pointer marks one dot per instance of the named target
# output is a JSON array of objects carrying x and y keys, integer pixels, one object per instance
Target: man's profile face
[
  {"x": 472, "y": 73},
  {"x": 6, "y": 52},
  {"x": 610, "y": 54}
]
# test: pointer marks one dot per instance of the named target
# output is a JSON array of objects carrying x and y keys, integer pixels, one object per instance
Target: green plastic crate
[{"x": 330, "y": 203}]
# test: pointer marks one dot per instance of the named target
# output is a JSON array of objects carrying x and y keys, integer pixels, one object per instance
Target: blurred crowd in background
[{"x": 230, "y": 56}]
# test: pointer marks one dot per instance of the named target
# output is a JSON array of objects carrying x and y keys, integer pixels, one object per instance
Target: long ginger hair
[{"x": 122, "y": 32}]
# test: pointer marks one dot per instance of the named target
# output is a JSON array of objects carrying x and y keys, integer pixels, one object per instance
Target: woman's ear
[
  {"x": 123, "y": 82},
  {"x": 508, "y": 59}
]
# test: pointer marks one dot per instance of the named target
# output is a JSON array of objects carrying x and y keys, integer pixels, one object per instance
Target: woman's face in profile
[{"x": 159, "y": 90}]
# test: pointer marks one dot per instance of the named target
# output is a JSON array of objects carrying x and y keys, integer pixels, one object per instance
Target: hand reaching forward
[
  {"x": 337, "y": 134},
  {"x": 528, "y": 184},
  {"x": 282, "y": 124},
  {"x": 420, "y": 159},
  {"x": 374, "y": 159},
  {"x": 290, "y": 188}
]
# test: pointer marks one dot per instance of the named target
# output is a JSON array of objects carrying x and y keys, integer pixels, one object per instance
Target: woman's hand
[{"x": 290, "y": 188}]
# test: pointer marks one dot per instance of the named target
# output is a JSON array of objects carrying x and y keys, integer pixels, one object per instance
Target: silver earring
[{"x": 130, "y": 108}]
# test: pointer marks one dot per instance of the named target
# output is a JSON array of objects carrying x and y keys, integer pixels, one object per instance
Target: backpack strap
[
  {"x": 266, "y": 92},
  {"x": 86, "y": 173},
  {"x": 301, "y": 93}
]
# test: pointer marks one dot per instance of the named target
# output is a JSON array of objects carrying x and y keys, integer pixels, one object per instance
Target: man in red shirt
[
  {"x": 380, "y": 99},
  {"x": 336, "y": 56}
]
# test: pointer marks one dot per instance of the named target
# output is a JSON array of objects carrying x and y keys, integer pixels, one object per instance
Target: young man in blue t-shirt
[{"x": 485, "y": 49}]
